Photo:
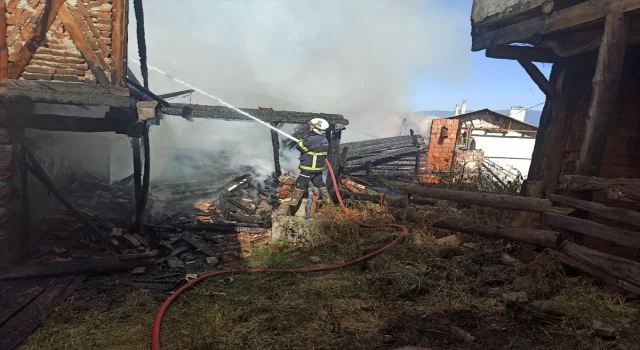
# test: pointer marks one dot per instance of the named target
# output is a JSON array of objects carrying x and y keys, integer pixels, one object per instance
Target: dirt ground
[{"x": 419, "y": 294}]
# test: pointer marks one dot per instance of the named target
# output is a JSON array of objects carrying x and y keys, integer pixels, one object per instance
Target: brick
[
  {"x": 11, "y": 5},
  {"x": 61, "y": 36},
  {"x": 24, "y": 16},
  {"x": 105, "y": 7},
  {"x": 14, "y": 17},
  {"x": 36, "y": 76},
  {"x": 74, "y": 66},
  {"x": 103, "y": 27},
  {"x": 102, "y": 21},
  {"x": 12, "y": 35},
  {"x": 89, "y": 78},
  {"x": 105, "y": 34},
  {"x": 70, "y": 72},
  {"x": 43, "y": 63},
  {"x": 37, "y": 13},
  {"x": 101, "y": 14},
  {"x": 65, "y": 54},
  {"x": 67, "y": 78},
  {"x": 46, "y": 57},
  {"x": 27, "y": 31},
  {"x": 42, "y": 70},
  {"x": 17, "y": 46},
  {"x": 58, "y": 47},
  {"x": 82, "y": 24}
]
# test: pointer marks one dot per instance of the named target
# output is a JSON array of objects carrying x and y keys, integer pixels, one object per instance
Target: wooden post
[
  {"x": 606, "y": 82},
  {"x": 144, "y": 193},
  {"x": 4, "y": 53},
  {"x": 137, "y": 174},
  {"x": 118, "y": 70},
  {"x": 275, "y": 142},
  {"x": 537, "y": 77}
]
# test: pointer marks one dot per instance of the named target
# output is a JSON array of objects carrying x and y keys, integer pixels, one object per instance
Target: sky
[{"x": 487, "y": 83}]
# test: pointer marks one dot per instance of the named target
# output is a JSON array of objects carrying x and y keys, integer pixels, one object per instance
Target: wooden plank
[
  {"x": 621, "y": 215},
  {"x": 583, "y": 13},
  {"x": 108, "y": 264},
  {"x": 39, "y": 34},
  {"x": 58, "y": 87},
  {"x": 622, "y": 237},
  {"x": 593, "y": 271},
  {"x": 117, "y": 44},
  {"x": 538, "y": 78},
  {"x": 498, "y": 201},
  {"x": 624, "y": 269},
  {"x": 606, "y": 82},
  {"x": 96, "y": 64},
  {"x": 627, "y": 190},
  {"x": 4, "y": 53},
  {"x": 525, "y": 53},
  {"x": 54, "y": 122},
  {"x": 201, "y": 247}
]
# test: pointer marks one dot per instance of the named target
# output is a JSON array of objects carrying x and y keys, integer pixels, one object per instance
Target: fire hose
[{"x": 157, "y": 322}]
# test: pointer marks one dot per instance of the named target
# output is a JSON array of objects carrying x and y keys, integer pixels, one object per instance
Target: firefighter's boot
[
  {"x": 325, "y": 197},
  {"x": 294, "y": 200}
]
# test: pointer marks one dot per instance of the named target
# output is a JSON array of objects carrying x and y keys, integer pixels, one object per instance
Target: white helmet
[{"x": 319, "y": 125}]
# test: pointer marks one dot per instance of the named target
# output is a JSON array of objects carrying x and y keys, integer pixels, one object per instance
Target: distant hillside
[{"x": 532, "y": 116}]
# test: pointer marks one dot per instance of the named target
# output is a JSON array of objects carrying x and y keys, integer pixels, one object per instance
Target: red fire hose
[{"x": 157, "y": 322}]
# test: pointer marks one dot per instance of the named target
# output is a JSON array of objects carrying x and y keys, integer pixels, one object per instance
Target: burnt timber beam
[
  {"x": 51, "y": 122},
  {"x": 583, "y": 13},
  {"x": 270, "y": 116},
  {"x": 176, "y": 94},
  {"x": 147, "y": 92},
  {"x": 606, "y": 82},
  {"x": 626, "y": 216},
  {"x": 537, "y": 77},
  {"x": 525, "y": 53},
  {"x": 275, "y": 142},
  {"x": 626, "y": 190},
  {"x": 23, "y": 91},
  {"x": 118, "y": 64}
]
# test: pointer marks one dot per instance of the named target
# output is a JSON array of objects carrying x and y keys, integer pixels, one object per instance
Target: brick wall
[
  {"x": 467, "y": 165},
  {"x": 58, "y": 57},
  {"x": 441, "y": 149}
]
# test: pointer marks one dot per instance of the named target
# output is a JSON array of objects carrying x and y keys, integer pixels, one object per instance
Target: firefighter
[{"x": 313, "y": 147}]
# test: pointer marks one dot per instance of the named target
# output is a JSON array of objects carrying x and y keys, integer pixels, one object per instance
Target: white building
[{"x": 505, "y": 140}]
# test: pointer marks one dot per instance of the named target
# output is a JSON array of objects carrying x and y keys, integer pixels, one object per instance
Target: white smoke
[{"x": 356, "y": 58}]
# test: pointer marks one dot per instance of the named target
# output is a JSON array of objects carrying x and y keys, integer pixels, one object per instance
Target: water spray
[{"x": 219, "y": 100}]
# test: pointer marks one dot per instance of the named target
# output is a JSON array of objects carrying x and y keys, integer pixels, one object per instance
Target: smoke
[{"x": 356, "y": 58}]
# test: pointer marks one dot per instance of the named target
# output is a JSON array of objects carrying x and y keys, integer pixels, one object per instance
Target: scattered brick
[{"x": 449, "y": 240}]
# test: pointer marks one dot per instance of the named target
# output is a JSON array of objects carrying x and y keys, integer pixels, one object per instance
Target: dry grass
[{"x": 397, "y": 299}]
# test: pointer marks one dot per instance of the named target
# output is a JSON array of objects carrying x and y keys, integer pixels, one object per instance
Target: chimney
[
  {"x": 457, "y": 110},
  {"x": 517, "y": 113},
  {"x": 463, "y": 108}
]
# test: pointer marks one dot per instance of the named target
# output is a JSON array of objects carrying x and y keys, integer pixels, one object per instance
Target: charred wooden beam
[
  {"x": 389, "y": 140},
  {"x": 137, "y": 176},
  {"x": 491, "y": 200},
  {"x": 606, "y": 82},
  {"x": 39, "y": 173},
  {"x": 146, "y": 179},
  {"x": 275, "y": 143},
  {"x": 525, "y": 53},
  {"x": 24, "y": 91},
  {"x": 266, "y": 115},
  {"x": 199, "y": 246},
  {"x": 622, "y": 237},
  {"x": 583, "y": 13},
  {"x": 91, "y": 266},
  {"x": 147, "y": 92},
  {"x": 383, "y": 155},
  {"x": 118, "y": 61},
  {"x": 176, "y": 94},
  {"x": 631, "y": 217},
  {"x": 538, "y": 77},
  {"x": 627, "y": 190},
  {"x": 65, "y": 123}
]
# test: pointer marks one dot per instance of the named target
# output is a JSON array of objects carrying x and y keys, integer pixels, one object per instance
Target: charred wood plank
[
  {"x": 358, "y": 144},
  {"x": 137, "y": 176},
  {"x": 90, "y": 266},
  {"x": 526, "y": 53},
  {"x": 606, "y": 83},
  {"x": 383, "y": 155},
  {"x": 619, "y": 236},
  {"x": 627, "y": 190},
  {"x": 498, "y": 201},
  {"x": 199, "y": 246},
  {"x": 147, "y": 92},
  {"x": 64, "y": 123},
  {"x": 627, "y": 216},
  {"x": 266, "y": 115},
  {"x": 39, "y": 173},
  {"x": 275, "y": 142},
  {"x": 23, "y": 91},
  {"x": 176, "y": 94}
]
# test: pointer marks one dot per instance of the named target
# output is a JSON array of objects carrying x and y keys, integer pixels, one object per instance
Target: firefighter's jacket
[{"x": 314, "y": 149}]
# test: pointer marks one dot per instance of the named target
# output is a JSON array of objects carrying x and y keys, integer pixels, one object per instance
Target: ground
[{"x": 420, "y": 294}]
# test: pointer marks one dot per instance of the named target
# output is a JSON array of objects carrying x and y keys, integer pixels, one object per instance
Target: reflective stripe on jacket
[{"x": 314, "y": 150}]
